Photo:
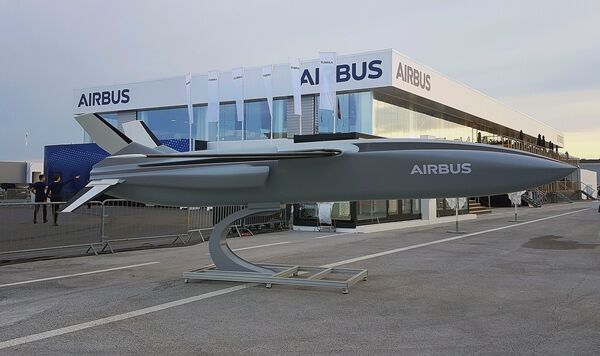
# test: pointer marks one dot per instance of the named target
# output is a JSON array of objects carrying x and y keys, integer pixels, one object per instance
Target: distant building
[
  {"x": 15, "y": 177},
  {"x": 20, "y": 171},
  {"x": 591, "y": 165}
]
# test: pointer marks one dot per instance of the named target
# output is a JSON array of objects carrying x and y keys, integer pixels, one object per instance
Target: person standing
[
  {"x": 39, "y": 189},
  {"x": 54, "y": 192}
]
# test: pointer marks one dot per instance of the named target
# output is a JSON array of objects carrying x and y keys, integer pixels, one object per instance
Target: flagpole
[{"x": 334, "y": 114}]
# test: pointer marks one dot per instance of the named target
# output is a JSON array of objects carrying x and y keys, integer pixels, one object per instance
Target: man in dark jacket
[
  {"x": 55, "y": 194},
  {"x": 39, "y": 189}
]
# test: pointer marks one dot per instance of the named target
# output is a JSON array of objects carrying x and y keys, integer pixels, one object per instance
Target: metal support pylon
[
  {"x": 232, "y": 268},
  {"x": 223, "y": 257}
]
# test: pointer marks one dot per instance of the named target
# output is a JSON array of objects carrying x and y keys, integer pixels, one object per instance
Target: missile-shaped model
[
  {"x": 142, "y": 170},
  {"x": 263, "y": 174}
]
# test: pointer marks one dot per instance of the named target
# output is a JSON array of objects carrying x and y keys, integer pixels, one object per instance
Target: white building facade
[{"x": 381, "y": 93}]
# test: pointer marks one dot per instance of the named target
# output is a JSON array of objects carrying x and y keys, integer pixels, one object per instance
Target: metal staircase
[
  {"x": 588, "y": 191},
  {"x": 537, "y": 198},
  {"x": 586, "y": 194},
  {"x": 558, "y": 197}
]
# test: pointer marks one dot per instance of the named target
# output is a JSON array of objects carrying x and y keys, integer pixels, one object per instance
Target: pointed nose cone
[
  {"x": 560, "y": 169},
  {"x": 547, "y": 170}
]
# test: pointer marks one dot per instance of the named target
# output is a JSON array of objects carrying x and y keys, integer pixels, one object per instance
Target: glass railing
[{"x": 510, "y": 142}]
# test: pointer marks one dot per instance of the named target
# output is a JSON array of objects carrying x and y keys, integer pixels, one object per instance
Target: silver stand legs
[{"x": 230, "y": 267}]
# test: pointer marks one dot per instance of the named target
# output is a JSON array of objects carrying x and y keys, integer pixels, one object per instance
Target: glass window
[
  {"x": 306, "y": 210},
  {"x": 371, "y": 210},
  {"x": 390, "y": 120},
  {"x": 416, "y": 206},
  {"x": 258, "y": 122},
  {"x": 407, "y": 206},
  {"x": 167, "y": 123},
  {"x": 204, "y": 130},
  {"x": 173, "y": 122},
  {"x": 111, "y": 118},
  {"x": 280, "y": 118},
  {"x": 393, "y": 207},
  {"x": 230, "y": 129},
  {"x": 341, "y": 211},
  {"x": 355, "y": 111},
  {"x": 364, "y": 209},
  {"x": 353, "y": 114},
  {"x": 325, "y": 122}
]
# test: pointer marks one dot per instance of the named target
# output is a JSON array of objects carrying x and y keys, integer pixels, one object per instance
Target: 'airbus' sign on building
[
  {"x": 347, "y": 72},
  {"x": 103, "y": 98},
  {"x": 385, "y": 76}
]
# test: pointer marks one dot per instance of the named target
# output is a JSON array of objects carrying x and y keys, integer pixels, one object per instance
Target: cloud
[
  {"x": 571, "y": 110},
  {"x": 511, "y": 49},
  {"x": 584, "y": 144},
  {"x": 576, "y": 113}
]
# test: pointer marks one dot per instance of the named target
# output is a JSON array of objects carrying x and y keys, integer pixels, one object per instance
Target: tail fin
[
  {"x": 140, "y": 133},
  {"x": 104, "y": 134},
  {"x": 112, "y": 140},
  {"x": 115, "y": 143}
]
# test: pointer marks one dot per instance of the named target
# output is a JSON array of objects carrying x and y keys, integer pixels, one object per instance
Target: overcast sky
[{"x": 541, "y": 57}]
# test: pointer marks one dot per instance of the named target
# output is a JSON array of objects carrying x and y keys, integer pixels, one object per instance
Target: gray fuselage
[{"x": 347, "y": 170}]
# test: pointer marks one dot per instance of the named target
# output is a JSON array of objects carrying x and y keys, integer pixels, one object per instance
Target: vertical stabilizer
[{"x": 108, "y": 137}]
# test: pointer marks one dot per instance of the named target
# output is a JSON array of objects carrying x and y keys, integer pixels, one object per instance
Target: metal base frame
[
  {"x": 230, "y": 267},
  {"x": 303, "y": 276}
]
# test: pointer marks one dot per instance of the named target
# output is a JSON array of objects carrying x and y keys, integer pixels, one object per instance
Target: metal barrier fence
[
  {"x": 202, "y": 219},
  {"x": 19, "y": 234},
  {"x": 102, "y": 226},
  {"x": 15, "y": 195},
  {"x": 125, "y": 221}
]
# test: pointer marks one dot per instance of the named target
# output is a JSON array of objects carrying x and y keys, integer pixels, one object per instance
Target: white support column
[{"x": 428, "y": 209}]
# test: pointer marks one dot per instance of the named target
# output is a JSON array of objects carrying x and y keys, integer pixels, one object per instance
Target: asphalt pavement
[{"x": 530, "y": 287}]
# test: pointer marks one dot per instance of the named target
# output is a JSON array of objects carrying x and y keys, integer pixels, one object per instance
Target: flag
[
  {"x": 267, "y": 74},
  {"x": 326, "y": 80},
  {"x": 212, "y": 112},
  {"x": 296, "y": 85},
  {"x": 238, "y": 88}
]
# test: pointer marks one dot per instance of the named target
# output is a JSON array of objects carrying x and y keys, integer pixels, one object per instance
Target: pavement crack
[{"x": 557, "y": 316}]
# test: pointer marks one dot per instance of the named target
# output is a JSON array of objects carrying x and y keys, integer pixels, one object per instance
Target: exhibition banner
[
  {"x": 238, "y": 90},
  {"x": 212, "y": 112},
  {"x": 515, "y": 197},
  {"x": 267, "y": 75},
  {"x": 296, "y": 86},
  {"x": 327, "y": 81},
  {"x": 190, "y": 108},
  {"x": 451, "y": 202},
  {"x": 188, "y": 92}
]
